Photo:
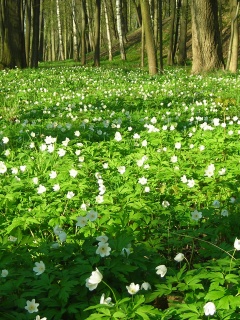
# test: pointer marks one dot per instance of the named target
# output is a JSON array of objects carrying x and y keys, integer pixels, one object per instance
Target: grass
[{"x": 150, "y": 163}]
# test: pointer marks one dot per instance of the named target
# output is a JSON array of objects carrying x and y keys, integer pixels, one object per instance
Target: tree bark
[
  {"x": 97, "y": 16},
  {"x": 35, "y": 33},
  {"x": 232, "y": 62},
  {"x": 83, "y": 32},
  {"x": 60, "y": 40},
  {"x": 149, "y": 37},
  {"x": 109, "y": 38},
  {"x": 74, "y": 27},
  {"x": 119, "y": 29},
  {"x": 206, "y": 41},
  {"x": 13, "y": 45},
  {"x": 160, "y": 15},
  {"x": 170, "y": 59},
  {"x": 182, "y": 47},
  {"x": 28, "y": 5}
]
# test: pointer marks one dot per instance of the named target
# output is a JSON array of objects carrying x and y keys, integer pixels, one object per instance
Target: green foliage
[{"x": 150, "y": 163}]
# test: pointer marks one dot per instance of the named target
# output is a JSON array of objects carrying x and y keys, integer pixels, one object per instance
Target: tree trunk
[
  {"x": 119, "y": 29},
  {"x": 28, "y": 15},
  {"x": 206, "y": 42},
  {"x": 14, "y": 45},
  {"x": 41, "y": 36},
  {"x": 74, "y": 26},
  {"x": 182, "y": 47},
  {"x": 97, "y": 16},
  {"x": 109, "y": 38},
  {"x": 60, "y": 40},
  {"x": 83, "y": 33},
  {"x": 170, "y": 59},
  {"x": 232, "y": 62},
  {"x": 35, "y": 33},
  {"x": 149, "y": 37},
  {"x": 160, "y": 15}
]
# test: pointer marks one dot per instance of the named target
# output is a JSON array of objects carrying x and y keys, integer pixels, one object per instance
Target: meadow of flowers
[{"x": 120, "y": 195}]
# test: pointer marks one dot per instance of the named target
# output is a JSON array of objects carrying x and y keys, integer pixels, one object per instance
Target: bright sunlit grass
[{"x": 117, "y": 189}]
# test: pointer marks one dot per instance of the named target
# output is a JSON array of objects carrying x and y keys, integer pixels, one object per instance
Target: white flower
[
  {"x": 174, "y": 159},
  {"x": 4, "y": 273},
  {"x": 14, "y": 170},
  {"x": 3, "y": 168},
  {"x": 146, "y": 286},
  {"x": 105, "y": 165},
  {"x": 201, "y": 148},
  {"x": 92, "y": 215},
  {"x": 161, "y": 270},
  {"x": 57, "y": 229},
  {"x": 190, "y": 183},
  {"x": 73, "y": 173},
  {"x": 40, "y": 268},
  {"x": 77, "y": 134},
  {"x": 178, "y": 145},
  {"x": 53, "y": 174},
  {"x": 7, "y": 152},
  {"x": 118, "y": 136},
  {"x": 62, "y": 236},
  {"x": 136, "y": 136},
  {"x": 121, "y": 169},
  {"x": 12, "y": 239},
  {"x": 133, "y": 288},
  {"x": 70, "y": 195},
  {"x": 232, "y": 200},
  {"x": 146, "y": 189},
  {"x": 56, "y": 187},
  {"x": 22, "y": 168},
  {"x": 50, "y": 140},
  {"x": 81, "y": 221},
  {"x": 126, "y": 251},
  {"x": 216, "y": 204},
  {"x": 93, "y": 281},
  {"x": 61, "y": 152},
  {"x": 209, "y": 309},
  {"x": 32, "y": 306},
  {"x": 38, "y": 318},
  {"x": 196, "y": 215},
  {"x": 103, "y": 239},
  {"x": 43, "y": 147},
  {"x": 105, "y": 301},
  {"x": 103, "y": 249},
  {"x": 81, "y": 159},
  {"x": 5, "y": 140},
  {"x": 237, "y": 244},
  {"x": 99, "y": 199},
  {"x": 50, "y": 148},
  {"x": 65, "y": 142},
  {"x": 165, "y": 204},
  {"x": 144, "y": 143},
  {"x": 35, "y": 180},
  {"x": 224, "y": 212},
  {"x": 222, "y": 171},
  {"x": 184, "y": 179},
  {"x": 179, "y": 257},
  {"x": 142, "y": 181},
  {"x": 41, "y": 189},
  {"x": 83, "y": 206},
  {"x": 209, "y": 172}
]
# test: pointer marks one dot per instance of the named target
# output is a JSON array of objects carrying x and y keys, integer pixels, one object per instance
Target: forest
[
  {"x": 35, "y": 30},
  {"x": 119, "y": 160}
]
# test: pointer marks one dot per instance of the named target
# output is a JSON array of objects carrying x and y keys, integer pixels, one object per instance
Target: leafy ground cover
[{"x": 119, "y": 194}]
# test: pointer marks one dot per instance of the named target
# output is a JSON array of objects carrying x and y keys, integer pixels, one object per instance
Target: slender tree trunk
[
  {"x": 35, "y": 33},
  {"x": 206, "y": 43},
  {"x": 156, "y": 21},
  {"x": 52, "y": 42},
  {"x": 41, "y": 36},
  {"x": 97, "y": 16},
  {"x": 74, "y": 27},
  {"x": 89, "y": 9},
  {"x": 119, "y": 28},
  {"x": 109, "y": 38},
  {"x": 232, "y": 61},
  {"x": 149, "y": 37},
  {"x": 142, "y": 47},
  {"x": 83, "y": 33},
  {"x": 170, "y": 59},
  {"x": 160, "y": 36},
  {"x": 182, "y": 48},
  {"x": 28, "y": 5},
  {"x": 60, "y": 40}
]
